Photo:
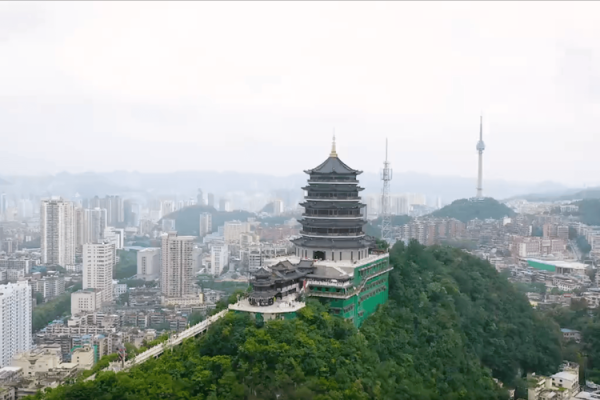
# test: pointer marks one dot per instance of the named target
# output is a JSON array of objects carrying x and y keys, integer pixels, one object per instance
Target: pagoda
[
  {"x": 332, "y": 224},
  {"x": 333, "y": 261}
]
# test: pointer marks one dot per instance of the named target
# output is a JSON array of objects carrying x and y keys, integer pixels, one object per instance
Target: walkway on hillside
[{"x": 170, "y": 343}]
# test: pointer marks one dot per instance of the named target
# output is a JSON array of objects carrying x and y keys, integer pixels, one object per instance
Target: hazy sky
[{"x": 165, "y": 86}]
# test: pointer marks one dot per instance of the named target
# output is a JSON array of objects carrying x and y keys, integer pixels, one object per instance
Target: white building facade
[
  {"x": 86, "y": 300},
  {"x": 95, "y": 222},
  {"x": 148, "y": 263},
  {"x": 177, "y": 269},
  {"x": 57, "y": 232},
  {"x": 205, "y": 224},
  {"x": 98, "y": 265},
  {"x": 15, "y": 320},
  {"x": 219, "y": 258}
]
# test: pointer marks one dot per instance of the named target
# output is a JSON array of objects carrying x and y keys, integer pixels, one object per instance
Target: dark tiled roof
[
  {"x": 333, "y": 165},
  {"x": 327, "y": 243}
]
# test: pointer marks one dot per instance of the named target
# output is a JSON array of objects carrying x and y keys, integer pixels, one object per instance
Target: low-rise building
[
  {"x": 571, "y": 334},
  {"x": 85, "y": 357},
  {"x": 86, "y": 300}
]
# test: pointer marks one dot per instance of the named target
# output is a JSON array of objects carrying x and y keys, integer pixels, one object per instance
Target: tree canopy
[
  {"x": 589, "y": 211},
  {"x": 466, "y": 209},
  {"x": 452, "y": 324}
]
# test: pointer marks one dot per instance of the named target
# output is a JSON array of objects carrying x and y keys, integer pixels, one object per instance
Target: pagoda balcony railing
[
  {"x": 354, "y": 291},
  {"x": 328, "y": 282},
  {"x": 328, "y": 213},
  {"x": 329, "y": 195},
  {"x": 343, "y": 217},
  {"x": 337, "y": 198},
  {"x": 327, "y": 234},
  {"x": 334, "y": 181}
]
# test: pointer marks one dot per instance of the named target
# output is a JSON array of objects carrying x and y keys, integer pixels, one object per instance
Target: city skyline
[{"x": 424, "y": 101}]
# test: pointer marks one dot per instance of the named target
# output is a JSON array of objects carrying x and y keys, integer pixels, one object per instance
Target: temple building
[{"x": 334, "y": 260}]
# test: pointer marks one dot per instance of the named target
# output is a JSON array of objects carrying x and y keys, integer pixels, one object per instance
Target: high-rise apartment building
[
  {"x": 115, "y": 209},
  {"x": 15, "y": 320},
  {"x": 116, "y": 236},
  {"x": 200, "y": 198},
  {"x": 57, "y": 232},
  {"x": 219, "y": 257},
  {"x": 277, "y": 207},
  {"x": 148, "y": 264},
  {"x": 205, "y": 224},
  {"x": 177, "y": 269},
  {"x": 3, "y": 204},
  {"x": 233, "y": 229},
  {"x": 211, "y": 199},
  {"x": 131, "y": 211},
  {"x": 95, "y": 222},
  {"x": 79, "y": 223},
  {"x": 167, "y": 207},
  {"x": 224, "y": 205},
  {"x": 98, "y": 265}
]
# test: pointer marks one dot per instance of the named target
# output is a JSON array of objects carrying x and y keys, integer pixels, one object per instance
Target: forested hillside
[
  {"x": 452, "y": 323},
  {"x": 187, "y": 220},
  {"x": 589, "y": 211},
  {"x": 466, "y": 210}
]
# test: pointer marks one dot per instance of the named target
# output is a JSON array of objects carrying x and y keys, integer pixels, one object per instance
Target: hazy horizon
[{"x": 260, "y": 87}]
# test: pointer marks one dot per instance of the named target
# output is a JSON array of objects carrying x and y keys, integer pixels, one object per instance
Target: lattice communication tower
[{"x": 386, "y": 215}]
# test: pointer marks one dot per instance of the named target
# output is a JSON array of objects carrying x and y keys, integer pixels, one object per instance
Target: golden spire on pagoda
[{"x": 333, "y": 152}]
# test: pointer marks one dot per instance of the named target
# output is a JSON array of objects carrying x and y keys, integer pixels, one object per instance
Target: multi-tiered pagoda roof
[{"x": 332, "y": 208}]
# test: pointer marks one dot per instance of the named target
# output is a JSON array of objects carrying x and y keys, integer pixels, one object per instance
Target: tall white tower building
[
  {"x": 98, "y": 265},
  {"x": 15, "y": 320},
  {"x": 95, "y": 222},
  {"x": 205, "y": 224},
  {"x": 219, "y": 257},
  {"x": 57, "y": 224},
  {"x": 480, "y": 149},
  {"x": 177, "y": 270},
  {"x": 148, "y": 264}
]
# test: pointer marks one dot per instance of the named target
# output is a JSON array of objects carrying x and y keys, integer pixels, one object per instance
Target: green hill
[
  {"x": 589, "y": 211},
  {"x": 452, "y": 323},
  {"x": 468, "y": 209},
  {"x": 187, "y": 220}
]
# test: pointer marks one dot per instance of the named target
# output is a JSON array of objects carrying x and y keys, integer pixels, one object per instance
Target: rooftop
[{"x": 561, "y": 264}]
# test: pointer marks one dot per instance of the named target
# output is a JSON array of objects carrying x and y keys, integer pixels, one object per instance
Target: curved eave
[{"x": 332, "y": 163}]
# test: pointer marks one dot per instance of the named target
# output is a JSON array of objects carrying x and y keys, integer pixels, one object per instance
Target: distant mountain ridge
[
  {"x": 570, "y": 194},
  {"x": 186, "y": 183}
]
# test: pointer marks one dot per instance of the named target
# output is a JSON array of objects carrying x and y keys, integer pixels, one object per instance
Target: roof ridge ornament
[{"x": 333, "y": 152}]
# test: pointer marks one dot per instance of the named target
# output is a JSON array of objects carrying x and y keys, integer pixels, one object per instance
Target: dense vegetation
[
  {"x": 589, "y": 211},
  {"x": 451, "y": 324},
  {"x": 45, "y": 313},
  {"x": 586, "y": 353},
  {"x": 127, "y": 265},
  {"x": 465, "y": 210}
]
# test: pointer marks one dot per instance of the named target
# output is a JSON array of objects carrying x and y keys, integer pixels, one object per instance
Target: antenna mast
[{"x": 386, "y": 216}]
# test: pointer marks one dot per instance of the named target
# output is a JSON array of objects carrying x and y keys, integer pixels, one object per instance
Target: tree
[
  {"x": 39, "y": 298},
  {"x": 195, "y": 318}
]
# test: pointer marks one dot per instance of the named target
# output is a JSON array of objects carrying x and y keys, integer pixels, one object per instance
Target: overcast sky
[{"x": 259, "y": 87}]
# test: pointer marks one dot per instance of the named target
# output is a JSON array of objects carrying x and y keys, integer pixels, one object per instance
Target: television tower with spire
[
  {"x": 480, "y": 149},
  {"x": 386, "y": 215}
]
